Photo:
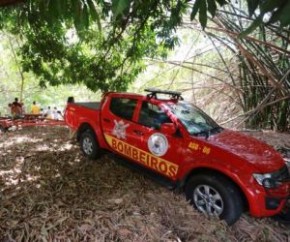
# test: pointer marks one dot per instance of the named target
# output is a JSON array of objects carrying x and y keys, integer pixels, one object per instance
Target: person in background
[
  {"x": 59, "y": 115},
  {"x": 16, "y": 103},
  {"x": 70, "y": 99},
  {"x": 35, "y": 109},
  {"x": 48, "y": 113},
  {"x": 9, "y": 110},
  {"x": 16, "y": 109},
  {"x": 54, "y": 113},
  {"x": 22, "y": 109}
]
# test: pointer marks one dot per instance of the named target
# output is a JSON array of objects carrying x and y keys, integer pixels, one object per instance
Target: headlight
[
  {"x": 266, "y": 180},
  {"x": 274, "y": 179}
]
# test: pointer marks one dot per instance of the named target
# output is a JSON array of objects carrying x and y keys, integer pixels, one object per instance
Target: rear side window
[{"x": 123, "y": 107}]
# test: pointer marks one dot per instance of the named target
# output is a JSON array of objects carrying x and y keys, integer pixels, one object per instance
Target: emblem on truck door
[
  {"x": 158, "y": 144},
  {"x": 120, "y": 129}
]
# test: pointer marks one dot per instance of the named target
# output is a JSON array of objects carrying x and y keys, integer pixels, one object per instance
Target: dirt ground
[{"x": 50, "y": 192}]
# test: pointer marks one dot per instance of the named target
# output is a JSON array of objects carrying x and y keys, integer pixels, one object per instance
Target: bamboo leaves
[
  {"x": 252, "y": 6},
  {"x": 264, "y": 69},
  {"x": 282, "y": 15},
  {"x": 212, "y": 7},
  {"x": 202, "y": 14},
  {"x": 82, "y": 13},
  {"x": 278, "y": 10},
  {"x": 201, "y": 7}
]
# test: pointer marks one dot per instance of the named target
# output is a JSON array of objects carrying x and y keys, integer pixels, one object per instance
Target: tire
[
  {"x": 214, "y": 195},
  {"x": 89, "y": 145},
  {"x": 2, "y": 129}
]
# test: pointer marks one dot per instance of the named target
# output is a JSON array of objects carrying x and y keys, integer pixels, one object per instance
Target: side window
[
  {"x": 152, "y": 116},
  {"x": 123, "y": 107}
]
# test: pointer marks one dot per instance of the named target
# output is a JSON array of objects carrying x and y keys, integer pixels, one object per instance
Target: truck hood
[{"x": 261, "y": 155}]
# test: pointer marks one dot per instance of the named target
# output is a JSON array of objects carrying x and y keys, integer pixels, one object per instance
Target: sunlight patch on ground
[
  {"x": 54, "y": 147},
  {"x": 3, "y": 173},
  {"x": 13, "y": 175},
  {"x": 15, "y": 180},
  {"x": 66, "y": 146},
  {"x": 62, "y": 196},
  {"x": 20, "y": 140},
  {"x": 43, "y": 147},
  {"x": 76, "y": 160}
]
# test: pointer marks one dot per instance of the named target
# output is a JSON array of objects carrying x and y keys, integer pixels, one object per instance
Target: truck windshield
[{"x": 194, "y": 120}]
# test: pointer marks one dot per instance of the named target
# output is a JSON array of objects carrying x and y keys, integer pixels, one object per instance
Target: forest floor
[{"x": 50, "y": 192}]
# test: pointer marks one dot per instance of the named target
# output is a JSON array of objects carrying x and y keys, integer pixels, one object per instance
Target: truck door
[
  {"x": 117, "y": 121},
  {"x": 165, "y": 150},
  {"x": 157, "y": 150},
  {"x": 131, "y": 129}
]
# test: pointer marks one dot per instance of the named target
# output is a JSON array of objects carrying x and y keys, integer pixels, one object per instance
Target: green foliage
[
  {"x": 102, "y": 60},
  {"x": 120, "y": 8},
  {"x": 202, "y": 6},
  {"x": 124, "y": 13},
  {"x": 264, "y": 64},
  {"x": 45, "y": 23},
  {"x": 102, "y": 43},
  {"x": 10, "y": 85},
  {"x": 59, "y": 52},
  {"x": 277, "y": 9},
  {"x": 79, "y": 12}
]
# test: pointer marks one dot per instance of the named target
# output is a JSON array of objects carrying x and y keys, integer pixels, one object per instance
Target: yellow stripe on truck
[{"x": 156, "y": 163}]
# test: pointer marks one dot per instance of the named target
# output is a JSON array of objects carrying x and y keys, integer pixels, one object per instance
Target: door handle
[
  {"x": 138, "y": 132},
  {"x": 107, "y": 120}
]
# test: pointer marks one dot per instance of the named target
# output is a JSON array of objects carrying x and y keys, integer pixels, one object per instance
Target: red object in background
[
  {"x": 222, "y": 172},
  {"x": 27, "y": 120}
]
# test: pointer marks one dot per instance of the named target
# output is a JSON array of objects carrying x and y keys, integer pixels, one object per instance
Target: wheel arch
[
  {"x": 210, "y": 171},
  {"x": 2, "y": 128},
  {"x": 84, "y": 127}
]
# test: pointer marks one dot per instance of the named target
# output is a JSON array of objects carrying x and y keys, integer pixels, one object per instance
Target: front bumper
[{"x": 269, "y": 202}]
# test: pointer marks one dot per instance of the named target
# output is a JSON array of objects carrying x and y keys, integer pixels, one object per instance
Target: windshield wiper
[
  {"x": 216, "y": 130},
  {"x": 207, "y": 133}
]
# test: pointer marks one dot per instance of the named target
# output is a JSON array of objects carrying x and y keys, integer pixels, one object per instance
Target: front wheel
[
  {"x": 215, "y": 195},
  {"x": 89, "y": 145}
]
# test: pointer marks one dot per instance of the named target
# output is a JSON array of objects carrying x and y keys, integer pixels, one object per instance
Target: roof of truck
[{"x": 152, "y": 93}]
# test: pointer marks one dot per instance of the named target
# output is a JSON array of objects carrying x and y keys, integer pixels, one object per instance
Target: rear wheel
[
  {"x": 2, "y": 129},
  {"x": 215, "y": 195},
  {"x": 89, "y": 144}
]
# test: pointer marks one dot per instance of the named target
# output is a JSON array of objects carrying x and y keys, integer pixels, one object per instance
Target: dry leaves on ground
[{"x": 50, "y": 192}]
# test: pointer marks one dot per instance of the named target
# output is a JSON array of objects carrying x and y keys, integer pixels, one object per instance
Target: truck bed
[
  {"x": 79, "y": 113},
  {"x": 91, "y": 105}
]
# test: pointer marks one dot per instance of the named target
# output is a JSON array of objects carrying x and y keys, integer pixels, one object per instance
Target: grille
[{"x": 282, "y": 174}]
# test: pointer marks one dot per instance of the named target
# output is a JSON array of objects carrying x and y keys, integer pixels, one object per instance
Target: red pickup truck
[{"x": 222, "y": 172}]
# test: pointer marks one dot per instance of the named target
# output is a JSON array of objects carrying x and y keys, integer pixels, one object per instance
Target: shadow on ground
[{"x": 50, "y": 192}]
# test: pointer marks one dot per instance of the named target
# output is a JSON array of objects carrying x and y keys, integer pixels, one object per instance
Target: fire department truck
[{"x": 222, "y": 172}]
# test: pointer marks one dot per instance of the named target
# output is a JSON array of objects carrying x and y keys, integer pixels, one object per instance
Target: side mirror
[{"x": 168, "y": 128}]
